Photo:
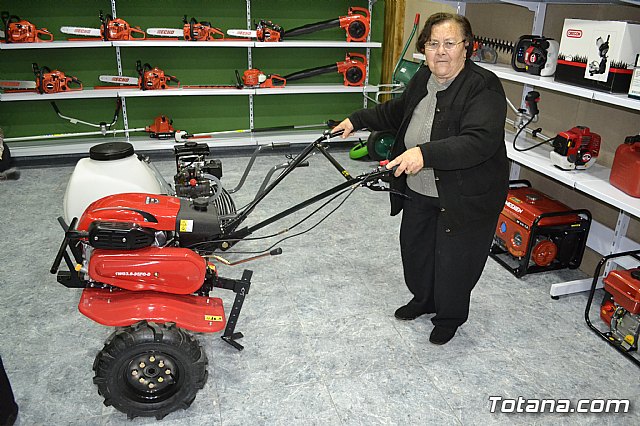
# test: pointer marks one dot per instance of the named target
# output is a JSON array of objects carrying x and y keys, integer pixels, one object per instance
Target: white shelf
[
  {"x": 182, "y": 43},
  {"x": 319, "y": 88},
  {"x": 54, "y": 45},
  {"x": 594, "y": 181},
  {"x": 316, "y": 43},
  {"x": 137, "y": 93},
  {"x": 505, "y": 72},
  {"x": 143, "y": 143},
  {"x": 149, "y": 42},
  {"x": 80, "y": 94},
  {"x": 132, "y": 92}
]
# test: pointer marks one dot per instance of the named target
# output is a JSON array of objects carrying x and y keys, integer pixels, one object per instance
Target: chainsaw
[
  {"x": 576, "y": 148},
  {"x": 110, "y": 29},
  {"x": 191, "y": 31},
  {"x": 149, "y": 78},
  {"x": 46, "y": 81},
  {"x": 18, "y": 30},
  {"x": 357, "y": 24}
]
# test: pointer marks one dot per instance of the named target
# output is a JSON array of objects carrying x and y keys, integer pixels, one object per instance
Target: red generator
[
  {"x": 620, "y": 307},
  {"x": 536, "y": 233},
  {"x": 625, "y": 171}
]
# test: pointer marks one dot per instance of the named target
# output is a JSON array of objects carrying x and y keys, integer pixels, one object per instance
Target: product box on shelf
[
  {"x": 634, "y": 88},
  {"x": 598, "y": 54}
]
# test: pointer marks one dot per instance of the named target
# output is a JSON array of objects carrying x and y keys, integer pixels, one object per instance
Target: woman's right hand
[{"x": 346, "y": 126}]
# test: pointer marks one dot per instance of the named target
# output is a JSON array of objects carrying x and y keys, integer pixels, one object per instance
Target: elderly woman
[{"x": 451, "y": 163}]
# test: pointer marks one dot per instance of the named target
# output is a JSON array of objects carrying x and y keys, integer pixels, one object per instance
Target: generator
[
  {"x": 620, "y": 307},
  {"x": 536, "y": 233}
]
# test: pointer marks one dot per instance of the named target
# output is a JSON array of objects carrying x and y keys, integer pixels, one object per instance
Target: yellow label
[
  {"x": 186, "y": 225},
  {"x": 629, "y": 339},
  {"x": 515, "y": 200},
  {"x": 216, "y": 318}
]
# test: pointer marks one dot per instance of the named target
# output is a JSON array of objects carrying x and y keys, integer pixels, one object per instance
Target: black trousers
[
  {"x": 441, "y": 269},
  {"x": 8, "y": 407}
]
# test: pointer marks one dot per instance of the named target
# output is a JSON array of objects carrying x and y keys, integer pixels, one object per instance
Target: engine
[
  {"x": 620, "y": 308},
  {"x": 576, "y": 148},
  {"x": 139, "y": 241}
]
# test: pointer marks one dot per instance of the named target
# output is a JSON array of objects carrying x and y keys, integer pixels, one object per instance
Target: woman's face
[{"x": 446, "y": 64}]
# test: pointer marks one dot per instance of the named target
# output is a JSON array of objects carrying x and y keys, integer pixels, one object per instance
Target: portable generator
[
  {"x": 536, "y": 233},
  {"x": 625, "y": 170},
  {"x": 576, "y": 148},
  {"x": 620, "y": 307}
]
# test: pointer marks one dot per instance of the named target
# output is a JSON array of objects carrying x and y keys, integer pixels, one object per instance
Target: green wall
[{"x": 191, "y": 65}]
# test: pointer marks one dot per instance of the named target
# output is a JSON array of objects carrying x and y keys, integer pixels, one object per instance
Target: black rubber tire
[
  {"x": 372, "y": 140},
  {"x": 119, "y": 369}
]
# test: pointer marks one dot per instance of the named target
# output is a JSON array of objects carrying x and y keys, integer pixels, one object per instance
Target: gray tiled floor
[{"x": 321, "y": 343}]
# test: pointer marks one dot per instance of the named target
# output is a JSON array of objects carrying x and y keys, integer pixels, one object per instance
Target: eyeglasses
[{"x": 448, "y": 44}]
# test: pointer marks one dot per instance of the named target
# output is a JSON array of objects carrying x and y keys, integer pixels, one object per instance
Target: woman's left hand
[{"x": 409, "y": 162}]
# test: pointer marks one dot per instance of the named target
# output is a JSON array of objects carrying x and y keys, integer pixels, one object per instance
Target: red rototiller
[{"x": 143, "y": 261}]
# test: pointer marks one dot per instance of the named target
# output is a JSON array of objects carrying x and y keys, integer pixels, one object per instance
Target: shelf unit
[
  {"x": 126, "y": 92},
  {"x": 594, "y": 181}
]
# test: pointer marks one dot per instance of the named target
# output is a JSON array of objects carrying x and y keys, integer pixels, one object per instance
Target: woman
[{"x": 451, "y": 163}]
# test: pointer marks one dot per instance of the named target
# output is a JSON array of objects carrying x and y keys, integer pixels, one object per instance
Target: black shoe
[
  {"x": 441, "y": 335},
  {"x": 411, "y": 311}
]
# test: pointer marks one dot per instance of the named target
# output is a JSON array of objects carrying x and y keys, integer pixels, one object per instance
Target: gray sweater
[{"x": 419, "y": 132}]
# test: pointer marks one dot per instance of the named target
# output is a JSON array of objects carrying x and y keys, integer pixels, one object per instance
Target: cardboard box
[
  {"x": 634, "y": 89},
  {"x": 598, "y": 54}
]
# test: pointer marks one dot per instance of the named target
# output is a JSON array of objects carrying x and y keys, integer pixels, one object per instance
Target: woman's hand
[
  {"x": 344, "y": 125},
  {"x": 409, "y": 162}
]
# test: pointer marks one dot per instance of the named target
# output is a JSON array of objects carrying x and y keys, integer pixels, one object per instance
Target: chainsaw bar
[
  {"x": 91, "y": 32},
  {"x": 243, "y": 33},
  {"x": 171, "y": 32},
  {"x": 119, "y": 79},
  {"x": 17, "y": 84}
]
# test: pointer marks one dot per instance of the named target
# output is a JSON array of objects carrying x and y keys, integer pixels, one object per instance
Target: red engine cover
[
  {"x": 522, "y": 207},
  {"x": 154, "y": 211},
  {"x": 625, "y": 171},
  {"x": 625, "y": 288},
  {"x": 164, "y": 269}
]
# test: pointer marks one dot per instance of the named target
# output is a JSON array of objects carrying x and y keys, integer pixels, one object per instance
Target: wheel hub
[{"x": 151, "y": 372}]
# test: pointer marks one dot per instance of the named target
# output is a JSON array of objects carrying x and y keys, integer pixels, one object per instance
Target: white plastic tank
[{"x": 112, "y": 168}]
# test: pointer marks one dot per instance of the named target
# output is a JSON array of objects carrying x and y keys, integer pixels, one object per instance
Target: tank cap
[
  {"x": 111, "y": 151},
  {"x": 532, "y": 198}
]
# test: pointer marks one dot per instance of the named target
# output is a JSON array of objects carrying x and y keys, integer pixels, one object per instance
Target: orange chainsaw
[
  {"x": 18, "y": 30},
  {"x": 191, "y": 31},
  {"x": 357, "y": 24},
  {"x": 46, "y": 81},
  {"x": 149, "y": 78},
  {"x": 110, "y": 29}
]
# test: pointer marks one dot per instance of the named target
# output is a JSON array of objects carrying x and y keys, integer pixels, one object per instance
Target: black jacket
[{"x": 467, "y": 149}]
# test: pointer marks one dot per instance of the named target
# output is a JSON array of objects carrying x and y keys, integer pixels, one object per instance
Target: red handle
[{"x": 417, "y": 20}]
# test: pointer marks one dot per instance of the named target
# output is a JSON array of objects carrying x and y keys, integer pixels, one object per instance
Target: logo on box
[{"x": 574, "y": 33}]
